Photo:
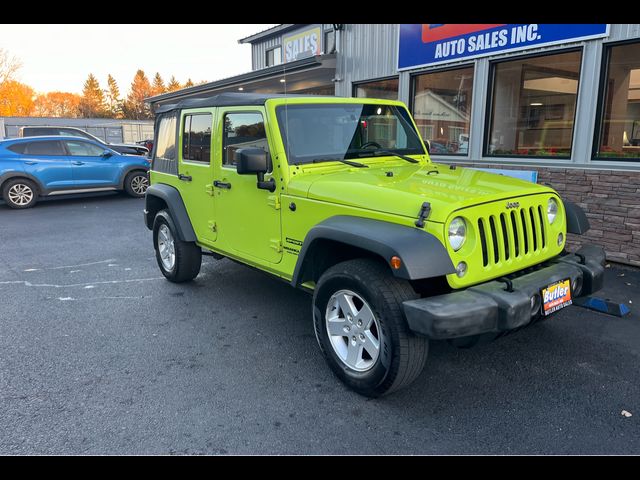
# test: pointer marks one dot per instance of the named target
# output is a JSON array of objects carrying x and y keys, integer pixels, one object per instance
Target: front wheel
[
  {"x": 361, "y": 329},
  {"x": 136, "y": 184},
  {"x": 178, "y": 261}
]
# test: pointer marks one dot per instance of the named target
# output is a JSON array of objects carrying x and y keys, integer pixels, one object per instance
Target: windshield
[{"x": 326, "y": 132}]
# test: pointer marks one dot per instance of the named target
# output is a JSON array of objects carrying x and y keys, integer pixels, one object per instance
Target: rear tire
[
  {"x": 20, "y": 193},
  {"x": 178, "y": 261},
  {"x": 370, "y": 347},
  {"x": 136, "y": 184}
]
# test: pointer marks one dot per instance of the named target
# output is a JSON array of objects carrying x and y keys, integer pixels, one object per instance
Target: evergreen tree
[
  {"x": 134, "y": 107},
  {"x": 173, "y": 84},
  {"x": 114, "y": 102},
  {"x": 158, "y": 85},
  {"x": 92, "y": 104}
]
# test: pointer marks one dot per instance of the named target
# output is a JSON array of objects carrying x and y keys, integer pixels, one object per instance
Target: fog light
[
  {"x": 576, "y": 286},
  {"x": 560, "y": 239},
  {"x": 461, "y": 269},
  {"x": 535, "y": 304}
]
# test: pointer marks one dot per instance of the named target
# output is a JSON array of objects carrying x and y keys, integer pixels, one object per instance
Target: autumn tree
[
  {"x": 113, "y": 100},
  {"x": 188, "y": 83},
  {"x": 92, "y": 104},
  {"x": 57, "y": 104},
  {"x": 158, "y": 85},
  {"x": 173, "y": 84},
  {"x": 16, "y": 99},
  {"x": 134, "y": 107},
  {"x": 9, "y": 65}
]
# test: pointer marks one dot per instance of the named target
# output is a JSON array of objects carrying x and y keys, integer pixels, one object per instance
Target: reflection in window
[
  {"x": 442, "y": 109},
  {"x": 387, "y": 89},
  {"x": 83, "y": 149},
  {"x": 620, "y": 128},
  {"x": 242, "y": 130},
  {"x": 196, "y": 138},
  {"x": 534, "y": 106}
]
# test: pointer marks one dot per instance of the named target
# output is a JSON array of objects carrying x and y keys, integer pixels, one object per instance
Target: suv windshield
[{"x": 328, "y": 132}]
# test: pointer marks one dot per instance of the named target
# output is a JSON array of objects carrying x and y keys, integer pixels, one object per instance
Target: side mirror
[
  {"x": 427, "y": 144},
  {"x": 255, "y": 160},
  {"x": 106, "y": 153}
]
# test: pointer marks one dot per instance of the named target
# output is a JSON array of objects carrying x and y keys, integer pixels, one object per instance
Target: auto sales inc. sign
[{"x": 430, "y": 44}]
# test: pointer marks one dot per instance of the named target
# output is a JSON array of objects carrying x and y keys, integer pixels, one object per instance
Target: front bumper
[{"x": 489, "y": 307}]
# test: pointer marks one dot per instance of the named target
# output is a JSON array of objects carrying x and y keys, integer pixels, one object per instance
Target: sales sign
[
  {"x": 431, "y": 44},
  {"x": 301, "y": 44}
]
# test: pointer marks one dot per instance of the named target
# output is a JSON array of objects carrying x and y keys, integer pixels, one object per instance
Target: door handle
[
  {"x": 77, "y": 163},
  {"x": 219, "y": 184},
  {"x": 30, "y": 163},
  {"x": 184, "y": 178}
]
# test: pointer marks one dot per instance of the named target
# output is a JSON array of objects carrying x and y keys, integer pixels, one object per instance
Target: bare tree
[{"x": 9, "y": 65}]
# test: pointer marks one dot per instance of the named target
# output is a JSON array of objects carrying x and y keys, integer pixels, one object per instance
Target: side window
[
  {"x": 242, "y": 130},
  {"x": 47, "y": 147},
  {"x": 83, "y": 149},
  {"x": 166, "y": 142},
  {"x": 196, "y": 137},
  {"x": 18, "y": 147}
]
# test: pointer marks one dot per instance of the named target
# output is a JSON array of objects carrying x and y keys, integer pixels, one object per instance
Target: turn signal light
[{"x": 395, "y": 262}]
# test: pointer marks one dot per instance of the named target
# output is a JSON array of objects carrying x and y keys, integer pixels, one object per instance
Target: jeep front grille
[{"x": 513, "y": 234}]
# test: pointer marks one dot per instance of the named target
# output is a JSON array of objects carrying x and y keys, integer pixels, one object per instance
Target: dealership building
[{"x": 559, "y": 103}]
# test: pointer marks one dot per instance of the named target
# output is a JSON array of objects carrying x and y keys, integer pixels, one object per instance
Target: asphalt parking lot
[{"x": 101, "y": 355}]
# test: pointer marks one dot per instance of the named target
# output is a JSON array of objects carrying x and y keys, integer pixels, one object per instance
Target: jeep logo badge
[{"x": 512, "y": 205}]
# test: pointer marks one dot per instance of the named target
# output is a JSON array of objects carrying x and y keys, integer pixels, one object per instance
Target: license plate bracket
[{"x": 556, "y": 296}]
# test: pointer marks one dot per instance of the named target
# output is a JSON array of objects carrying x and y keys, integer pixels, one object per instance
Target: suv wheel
[
  {"x": 361, "y": 329},
  {"x": 179, "y": 261},
  {"x": 20, "y": 193},
  {"x": 136, "y": 184}
]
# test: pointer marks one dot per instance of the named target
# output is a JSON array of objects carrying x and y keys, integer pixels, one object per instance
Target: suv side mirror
[
  {"x": 255, "y": 160},
  {"x": 106, "y": 153},
  {"x": 427, "y": 144}
]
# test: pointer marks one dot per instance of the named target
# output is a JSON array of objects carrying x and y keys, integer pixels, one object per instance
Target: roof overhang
[{"x": 270, "y": 32}]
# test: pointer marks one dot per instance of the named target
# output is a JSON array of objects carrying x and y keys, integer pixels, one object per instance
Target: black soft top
[{"x": 229, "y": 99}]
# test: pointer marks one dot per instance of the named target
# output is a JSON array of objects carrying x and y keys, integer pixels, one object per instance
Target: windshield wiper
[
  {"x": 348, "y": 162},
  {"x": 389, "y": 152}
]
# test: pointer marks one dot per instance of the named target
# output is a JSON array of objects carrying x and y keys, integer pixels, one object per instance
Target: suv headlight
[
  {"x": 457, "y": 233},
  {"x": 552, "y": 210}
]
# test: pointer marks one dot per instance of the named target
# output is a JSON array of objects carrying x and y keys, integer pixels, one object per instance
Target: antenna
[{"x": 286, "y": 109}]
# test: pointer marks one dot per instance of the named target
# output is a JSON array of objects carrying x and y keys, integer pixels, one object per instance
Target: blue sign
[{"x": 431, "y": 44}]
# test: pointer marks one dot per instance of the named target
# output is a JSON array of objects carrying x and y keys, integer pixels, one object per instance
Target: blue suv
[{"x": 40, "y": 166}]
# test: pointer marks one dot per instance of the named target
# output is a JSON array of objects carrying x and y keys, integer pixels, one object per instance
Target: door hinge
[
  {"x": 209, "y": 189},
  {"x": 276, "y": 244},
  {"x": 213, "y": 227},
  {"x": 274, "y": 201}
]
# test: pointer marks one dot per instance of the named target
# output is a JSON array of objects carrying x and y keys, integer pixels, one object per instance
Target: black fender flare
[
  {"x": 422, "y": 254},
  {"x": 19, "y": 174},
  {"x": 127, "y": 171},
  {"x": 577, "y": 221},
  {"x": 171, "y": 197}
]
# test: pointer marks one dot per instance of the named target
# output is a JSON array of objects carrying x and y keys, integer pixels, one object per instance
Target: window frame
[
  {"x": 81, "y": 140},
  {"x": 182, "y": 136},
  {"x": 488, "y": 116},
  {"x": 234, "y": 167},
  {"x": 412, "y": 96},
  {"x": 266, "y": 56},
  {"x": 598, "y": 129}
]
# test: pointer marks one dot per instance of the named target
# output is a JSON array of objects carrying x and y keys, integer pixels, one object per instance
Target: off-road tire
[{"x": 187, "y": 255}]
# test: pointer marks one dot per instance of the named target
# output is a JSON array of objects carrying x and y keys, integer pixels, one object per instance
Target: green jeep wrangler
[{"x": 338, "y": 196}]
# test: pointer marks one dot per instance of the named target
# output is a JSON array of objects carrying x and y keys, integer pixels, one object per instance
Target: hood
[{"x": 409, "y": 186}]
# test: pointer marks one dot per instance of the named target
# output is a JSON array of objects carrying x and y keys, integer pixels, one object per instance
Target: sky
[{"x": 60, "y": 57}]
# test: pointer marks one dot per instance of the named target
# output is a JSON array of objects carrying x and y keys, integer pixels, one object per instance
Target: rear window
[
  {"x": 36, "y": 131},
  {"x": 46, "y": 147}
]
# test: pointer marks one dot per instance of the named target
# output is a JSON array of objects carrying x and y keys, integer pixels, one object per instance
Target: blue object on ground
[{"x": 604, "y": 306}]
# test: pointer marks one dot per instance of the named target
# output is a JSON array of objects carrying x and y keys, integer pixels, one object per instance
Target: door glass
[
  {"x": 196, "y": 138},
  {"x": 242, "y": 130},
  {"x": 83, "y": 149},
  {"x": 49, "y": 147}
]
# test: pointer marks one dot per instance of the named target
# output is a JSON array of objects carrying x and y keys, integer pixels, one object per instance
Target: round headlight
[
  {"x": 552, "y": 210},
  {"x": 457, "y": 233}
]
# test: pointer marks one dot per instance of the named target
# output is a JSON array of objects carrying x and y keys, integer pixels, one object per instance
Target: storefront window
[
  {"x": 387, "y": 89},
  {"x": 620, "y": 122},
  {"x": 534, "y": 106},
  {"x": 442, "y": 109}
]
